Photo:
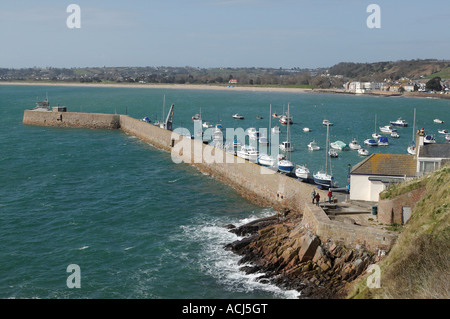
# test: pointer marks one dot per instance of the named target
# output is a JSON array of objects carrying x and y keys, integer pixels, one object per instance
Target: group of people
[{"x": 315, "y": 197}]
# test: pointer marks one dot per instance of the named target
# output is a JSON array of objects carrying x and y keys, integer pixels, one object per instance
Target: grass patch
[{"x": 418, "y": 266}]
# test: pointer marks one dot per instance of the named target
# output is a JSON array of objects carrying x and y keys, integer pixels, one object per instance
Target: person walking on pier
[
  {"x": 317, "y": 199},
  {"x": 313, "y": 196},
  {"x": 330, "y": 194}
]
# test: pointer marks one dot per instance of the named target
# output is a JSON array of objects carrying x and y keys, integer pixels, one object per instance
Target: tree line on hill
[{"x": 333, "y": 77}]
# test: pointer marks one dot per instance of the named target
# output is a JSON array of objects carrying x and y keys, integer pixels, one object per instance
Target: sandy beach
[
  {"x": 166, "y": 86},
  {"x": 234, "y": 88}
]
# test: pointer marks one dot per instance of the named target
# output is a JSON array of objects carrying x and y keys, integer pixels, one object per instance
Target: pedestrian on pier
[
  {"x": 330, "y": 194},
  {"x": 317, "y": 199},
  {"x": 313, "y": 196}
]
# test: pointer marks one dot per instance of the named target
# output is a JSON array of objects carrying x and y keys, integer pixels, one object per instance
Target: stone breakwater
[
  {"x": 285, "y": 253},
  {"x": 258, "y": 184}
]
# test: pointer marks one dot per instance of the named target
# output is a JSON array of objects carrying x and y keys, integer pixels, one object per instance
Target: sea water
[{"x": 137, "y": 224}]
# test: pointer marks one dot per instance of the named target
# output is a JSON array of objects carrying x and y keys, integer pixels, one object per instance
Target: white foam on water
[
  {"x": 222, "y": 264},
  {"x": 83, "y": 248}
]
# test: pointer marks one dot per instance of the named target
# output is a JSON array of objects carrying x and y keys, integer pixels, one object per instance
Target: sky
[{"x": 220, "y": 33}]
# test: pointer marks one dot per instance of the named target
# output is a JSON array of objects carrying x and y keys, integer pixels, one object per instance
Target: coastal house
[
  {"x": 362, "y": 87},
  {"x": 233, "y": 81},
  {"x": 410, "y": 87},
  {"x": 374, "y": 174},
  {"x": 431, "y": 157},
  {"x": 371, "y": 176}
]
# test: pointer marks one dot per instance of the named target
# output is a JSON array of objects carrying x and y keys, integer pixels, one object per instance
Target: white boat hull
[
  {"x": 302, "y": 173},
  {"x": 267, "y": 160}
]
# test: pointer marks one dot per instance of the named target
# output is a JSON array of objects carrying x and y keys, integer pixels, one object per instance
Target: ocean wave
[{"x": 223, "y": 265}]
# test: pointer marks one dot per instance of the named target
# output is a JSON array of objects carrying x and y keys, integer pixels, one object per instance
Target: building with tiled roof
[
  {"x": 431, "y": 157},
  {"x": 371, "y": 176}
]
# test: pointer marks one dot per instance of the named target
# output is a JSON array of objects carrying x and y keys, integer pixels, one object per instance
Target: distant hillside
[
  {"x": 418, "y": 266},
  {"x": 378, "y": 71}
]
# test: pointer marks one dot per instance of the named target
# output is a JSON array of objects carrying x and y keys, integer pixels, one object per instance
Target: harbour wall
[
  {"x": 72, "y": 119},
  {"x": 262, "y": 186}
]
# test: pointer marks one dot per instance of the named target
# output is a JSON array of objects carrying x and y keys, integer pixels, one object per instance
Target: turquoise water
[{"x": 137, "y": 224}]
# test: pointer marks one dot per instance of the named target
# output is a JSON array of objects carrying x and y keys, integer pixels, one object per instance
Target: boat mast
[
  {"x": 414, "y": 128},
  {"x": 270, "y": 123},
  {"x": 288, "y": 143},
  {"x": 326, "y": 150},
  {"x": 375, "y": 124}
]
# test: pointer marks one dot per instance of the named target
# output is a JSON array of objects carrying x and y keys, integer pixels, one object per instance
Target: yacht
[
  {"x": 412, "y": 147},
  {"x": 399, "y": 122},
  {"x": 383, "y": 141},
  {"x": 267, "y": 160},
  {"x": 286, "y": 147},
  {"x": 302, "y": 172},
  {"x": 313, "y": 146},
  {"x": 306, "y": 129},
  {"x": 285, "y": 119},
  {"x": 333, "y": 153},
  {"x": 146, "y": 119},
  {"x": 248, "y": 152},
  {"x": 322, "y": 178},
  {"x": 428, "y": 139},
  {"x": 363, "y": 152},
  {"x": 238, "y": 116},
  {"x": 285, "y": 166},
  {"x": 253, "y": 133},
  {"x": 371, "y": 142},
  {"x": 438, "y": 121},
  {"x": 206, "y": 125},
  {"x": 375, "y": 134},
  {"x": 217, "y": 134},
  {"x": 354, "y": 145},
  {"x": 387, "y": 129},
  {"x": 326, "y": 122},
  {"x": 339, "y": 145},
  {"x": 395, "y": 135},
  {"x": 444, "y": 131}
]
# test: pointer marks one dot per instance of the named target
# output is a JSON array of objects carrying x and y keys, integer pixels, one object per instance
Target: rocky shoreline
[{"x": 288, "y": 255}]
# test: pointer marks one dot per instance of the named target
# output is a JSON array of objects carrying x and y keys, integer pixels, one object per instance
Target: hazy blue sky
[{"x": 220, "y": 33}]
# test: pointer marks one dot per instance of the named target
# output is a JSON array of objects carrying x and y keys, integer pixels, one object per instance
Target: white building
[
  {"x": 363, "y": 87},
  {"x": 374, "y": 174}
]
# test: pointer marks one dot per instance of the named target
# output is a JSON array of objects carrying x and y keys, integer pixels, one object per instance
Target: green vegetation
[
  {"x": 378, "y": 71},
  {"x": 443, "y": 74},
  {"x": 434, "y": 84},
  {"x": 418, "y": 266},
  {"x": 402, "y": 188}
]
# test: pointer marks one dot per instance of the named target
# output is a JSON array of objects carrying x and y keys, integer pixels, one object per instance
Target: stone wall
[
  {"x": 350, "y": 235},
  {"x": 259, "y": 184},
  {"x": 72, "y": 119},
  {"x": 390, "y": 211}
]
